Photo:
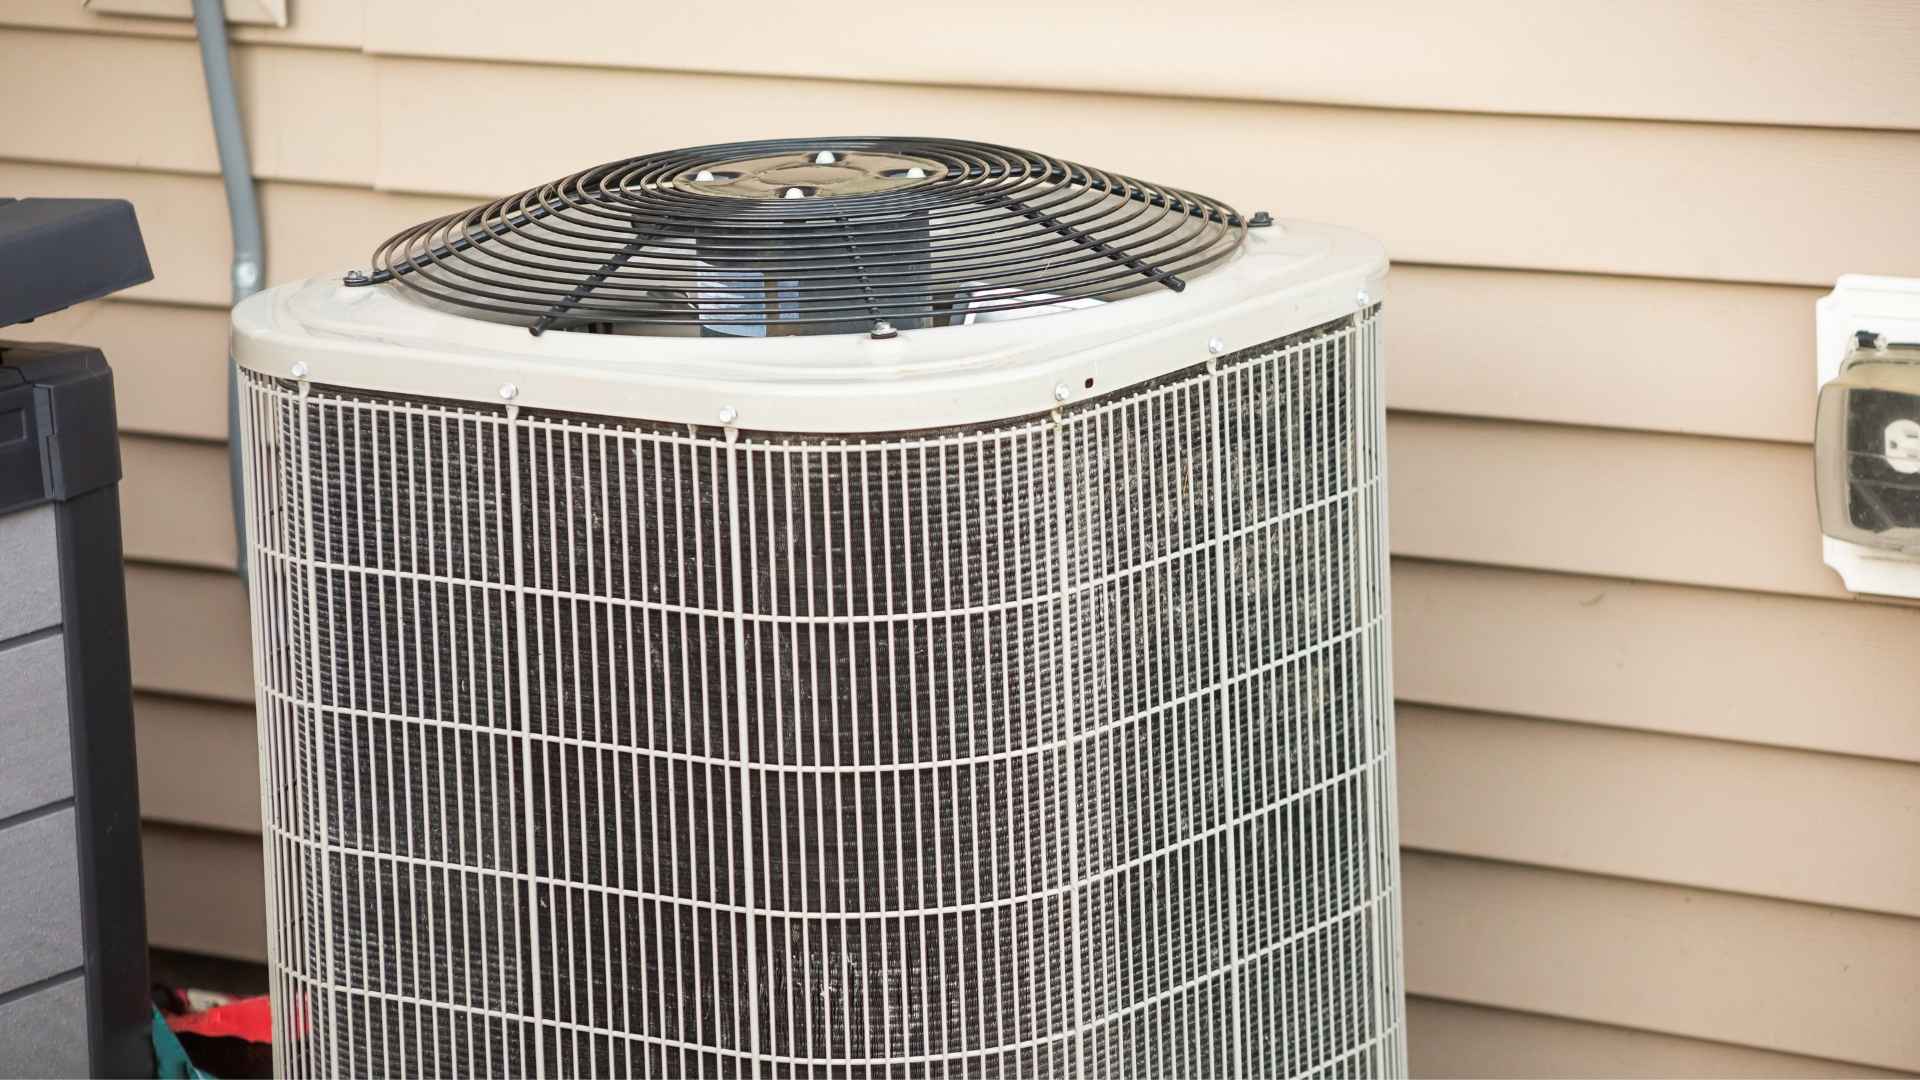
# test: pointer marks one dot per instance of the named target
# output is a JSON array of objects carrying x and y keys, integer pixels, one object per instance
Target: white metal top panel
[{"x": 1289, "y": 277}]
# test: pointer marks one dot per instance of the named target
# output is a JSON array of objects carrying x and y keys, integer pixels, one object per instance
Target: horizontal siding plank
[
  {"x": 1790, "y": 205},
  {"x": 296, "y": 104},
  {"x": 1696, "y": 964},
  {"x": 175, "y": 504},
  {"x": 1746, "y": 667},
  {"x": 1819, "y": 982},
  {"x": 199, "y": 763},
  {"x": 1684, "y": 356},
  {"x": 206, "y": 892},
  {"x": 1599, "y": 196},
  {"x": 1731, "y": 514},
  {"x": 1645, "y": 58},
  {"x": 1679, "y": 508},
  {"x": 326, "y": 23},
  {"x": 1778, "y": 670},
  {"x": 1817, "y": 828},
  {"x": 1451, "y": 1039},
  {"x": 234, "y": 11},
  {"x": 1626, "y": 352},
  {"x": 189, "y": 633},
  {"x": 1656, "y": 61},
  {"x": 310, "y": 228},
  {"x": 169, "y": 361}
]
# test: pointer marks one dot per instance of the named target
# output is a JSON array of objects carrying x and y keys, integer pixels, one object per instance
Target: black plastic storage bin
[{"x": 73, "y": 930}]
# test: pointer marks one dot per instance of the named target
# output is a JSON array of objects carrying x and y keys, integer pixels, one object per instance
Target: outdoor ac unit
[{"x": 908, "y": 607}]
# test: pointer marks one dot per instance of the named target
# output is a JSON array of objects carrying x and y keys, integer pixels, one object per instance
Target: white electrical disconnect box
[{"x": 1867, "y": 432}]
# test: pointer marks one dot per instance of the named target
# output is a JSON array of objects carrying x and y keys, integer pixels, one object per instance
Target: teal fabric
[{"x": 170, "y": 1058}]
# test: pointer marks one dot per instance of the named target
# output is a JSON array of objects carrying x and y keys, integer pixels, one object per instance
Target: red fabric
[{"x": 249, "y": 1018}]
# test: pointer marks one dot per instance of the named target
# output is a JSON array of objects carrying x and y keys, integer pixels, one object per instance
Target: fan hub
[{"x": 840, "y": 173}]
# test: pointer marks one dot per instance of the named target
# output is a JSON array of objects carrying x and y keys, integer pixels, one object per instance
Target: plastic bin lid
[{"x": 55, "y": 253}]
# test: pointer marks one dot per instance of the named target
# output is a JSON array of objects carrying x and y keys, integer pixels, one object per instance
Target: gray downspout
[{"x": 243, "y": 211}]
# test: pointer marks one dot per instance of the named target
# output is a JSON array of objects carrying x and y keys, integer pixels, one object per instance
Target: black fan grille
[
  {"x": 1059, "y": 748},
  {"x": 810, "y": 236}
]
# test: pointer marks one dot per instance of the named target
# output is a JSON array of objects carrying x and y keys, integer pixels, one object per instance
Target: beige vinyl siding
[
  {"x": 199, "y": 763},
  {"x": 1646, "y": 58},
  {"x": 176, "y": 504},
  {"x": 291, "y": 130},
  {"x": 1447, "y": 1038},
  {"x": 205, "y": 891},
  {"x": 1795, "y": 978},
  {"x": 1801, "y": 674},
  {"x": 1495, "y": 190},
  {"x": 1619, "y": 352},
  {"x": 189, "y": 632},
  {"x": 169, "y": 362},
  {"x": 1732, "y": 514},
  {"x": 1676, "y": 508},
  {"x": 1592, "y": 350},
  {"x": 1818, "y": 828},
  {"x": 1829, "y": 675},
  {"x": 1661, "y": 785},
  {"x": 330, "y": 23}
]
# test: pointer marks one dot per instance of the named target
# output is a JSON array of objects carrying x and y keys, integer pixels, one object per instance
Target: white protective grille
[{"x": 1059, "y": 747}]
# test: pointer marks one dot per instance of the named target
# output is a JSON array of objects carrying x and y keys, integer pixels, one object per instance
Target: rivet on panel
[
  {"x": 1062, "y": 392},
  {"x": 508, "y": 391},
  {"x": 299, "y": 369},
  {"x": 1216, "y": 346},
  {"x": 728, "y": 414}
]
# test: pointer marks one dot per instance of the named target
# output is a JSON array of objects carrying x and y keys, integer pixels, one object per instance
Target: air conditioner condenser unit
[{"x": 853, "y": 606}]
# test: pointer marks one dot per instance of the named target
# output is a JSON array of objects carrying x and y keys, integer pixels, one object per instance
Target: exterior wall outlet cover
[{"x": 1890, "y": 307}]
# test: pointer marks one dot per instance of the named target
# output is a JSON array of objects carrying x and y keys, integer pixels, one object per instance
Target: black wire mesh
[
  {"x": 1053, "y": 748},
  {"x": 809, "y": 236}
]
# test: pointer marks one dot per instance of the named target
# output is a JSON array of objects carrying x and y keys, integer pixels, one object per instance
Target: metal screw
[
  {"x": 508, "y": 391},
  {"x": 825, "y": 157},
  {"x": 728, "y": 414},
  {"x": 1216, "y": 346},
  {"x": 299, "y": 369},
  {"x": 1362, "y": 298},
  {"x": 355, "y": 277},
  {"x": 883, "y": 330},
  {"x": 1260, "y": 220},
  {"x": 1062, "y": 392}
]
